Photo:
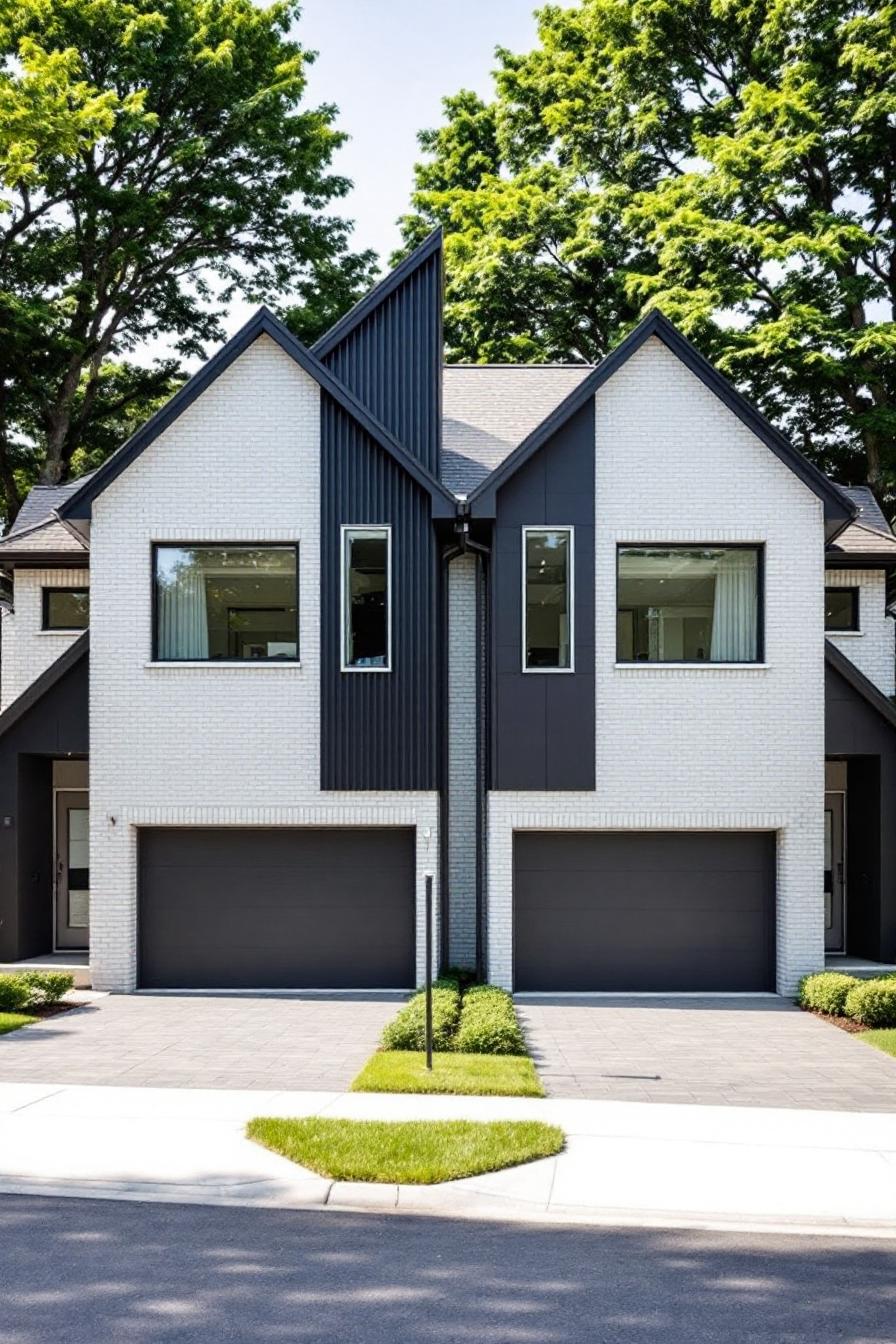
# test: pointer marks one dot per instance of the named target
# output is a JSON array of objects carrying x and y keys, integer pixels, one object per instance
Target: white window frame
[
  {"x": 365, "y": 531},
  {"x": 571, "y": 590}
]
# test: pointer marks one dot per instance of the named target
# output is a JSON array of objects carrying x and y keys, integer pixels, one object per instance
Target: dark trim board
[
  {"x": 42, "y": 684},
  {"x": 644, "y": 911},
  {"x": 276, "y": 908},
  {"x": 839, "y": 511}
]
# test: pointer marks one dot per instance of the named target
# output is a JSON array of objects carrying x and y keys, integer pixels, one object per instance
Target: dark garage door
[
  {"x": 276, "y": 909},
  {"x": 644, "y": 911}
]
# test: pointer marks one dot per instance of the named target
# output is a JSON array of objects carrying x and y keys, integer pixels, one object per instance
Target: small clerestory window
[
  {"x": 66, "y": 608},
  {"x": 841, "y": 609}
]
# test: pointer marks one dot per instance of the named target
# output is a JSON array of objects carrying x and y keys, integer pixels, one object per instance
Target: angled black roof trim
[
  {"x": 838, "y": 508},
  {"x": 263, "y": 323},
  {"x": 859, "y": 682},
  {"x": 55, "y": 672},
  {"x": 365, "y": 306}
]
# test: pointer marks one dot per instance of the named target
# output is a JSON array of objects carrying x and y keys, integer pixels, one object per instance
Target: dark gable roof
[
  {"x": 870, "y": 514},
  {"x": 859, "y": 682},
  {"x": 365, "y": 306},
  {"x": 264, "y": 323},
  {"x": 41, "y": 503},
  {"x": 839, "y": 510},
  {"x": 55, "y": 672}
]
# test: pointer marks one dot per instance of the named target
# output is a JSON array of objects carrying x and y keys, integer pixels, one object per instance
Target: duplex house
[{"x": 593, "y": 648}]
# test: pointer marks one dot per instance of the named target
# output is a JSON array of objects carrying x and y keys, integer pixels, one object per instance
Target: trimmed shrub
[
  {"x": 488, "y": 1024},
  {"x": 14, "y": 994},
  {"x": 407, "y": 1031},
  {"x": 825, "y": 992},
  {"x": 873, "y": 1002},
  {"x": 46, "y": 987}
]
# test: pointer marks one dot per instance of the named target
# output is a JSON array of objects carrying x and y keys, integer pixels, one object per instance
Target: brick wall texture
[
  {"x": 27, "y": 649},
  {"x": 872, "y": 647}
]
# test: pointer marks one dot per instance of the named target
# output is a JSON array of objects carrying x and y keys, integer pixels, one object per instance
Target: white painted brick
[
  {"x": 193, "y": 746},
  {"x": 27, "y": 649},
  {"x": 872, "y": 647},
  {"x": 462, "y": 774},
  {"x": 697, "y": 748}
]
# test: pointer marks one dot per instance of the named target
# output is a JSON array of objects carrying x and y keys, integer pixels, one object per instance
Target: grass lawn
[
  {"x": 884, "y": 1038},
  {"x": 11, "y": 1021},
  {"x": 463, "y": 1075},
  {"x": 418, "y": 1152}
]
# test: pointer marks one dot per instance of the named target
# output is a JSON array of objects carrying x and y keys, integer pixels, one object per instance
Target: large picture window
[
  {"x": 547, "y": 599},
  {"x": 366, "y": 614},
  {"x": 689, "y": 604},
  {"x": 226, "y": 603}
]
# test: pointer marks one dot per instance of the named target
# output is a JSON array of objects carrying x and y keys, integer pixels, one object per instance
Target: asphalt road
[{"x": 110, "y": 1273}]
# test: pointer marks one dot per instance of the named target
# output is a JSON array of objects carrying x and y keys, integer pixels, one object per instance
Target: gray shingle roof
[
  {"x": 870, "y": 513},
  {"x": 40, "y": 503},
  {"x": 489, "y": 409}
]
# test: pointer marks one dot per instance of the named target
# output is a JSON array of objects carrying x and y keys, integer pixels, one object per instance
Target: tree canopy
[
  {"x": 156, "y": 159},
  {"x": 730, "y": 161}
]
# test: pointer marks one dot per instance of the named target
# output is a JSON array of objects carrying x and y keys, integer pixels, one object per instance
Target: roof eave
[
  {"x": 860, "y": 683},
  {"x": 839, "y": 511},
  {"x": 79, "y": 504},
  {"x": 48, "y": 678}
]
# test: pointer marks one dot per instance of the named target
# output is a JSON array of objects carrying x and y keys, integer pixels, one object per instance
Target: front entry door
[
  {"x": 72, "y": 869},
  {"x": 834, "y": 877}
]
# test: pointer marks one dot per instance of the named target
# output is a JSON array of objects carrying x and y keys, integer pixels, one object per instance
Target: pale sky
[{"x": 387, "y": 64}]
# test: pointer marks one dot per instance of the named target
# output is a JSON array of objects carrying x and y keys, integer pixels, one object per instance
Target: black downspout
[{"x": 448, "y": 554}]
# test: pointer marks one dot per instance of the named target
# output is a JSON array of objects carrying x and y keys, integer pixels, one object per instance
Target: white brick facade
[
  {"x": 871, "y": 648},
  {"x": 206, "y": 745},
  {"x": 707, "y": 747},
  {"x": 27, "y": 649},
  {"x": 462, "y": 773}
]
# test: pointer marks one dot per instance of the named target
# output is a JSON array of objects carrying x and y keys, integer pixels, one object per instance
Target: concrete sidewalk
[{"x": 624, "y": 1162}]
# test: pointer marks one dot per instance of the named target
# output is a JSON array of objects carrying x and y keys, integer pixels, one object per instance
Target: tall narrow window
[
  {"x": 547, "y": 599},
  {"x": 366, "y": 617}
]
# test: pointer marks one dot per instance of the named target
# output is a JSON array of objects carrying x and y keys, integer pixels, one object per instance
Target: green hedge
[
  {"x": 33, "y": 989},
  {"x": 488, "y": 1024},
  {"x": 826, "y": 992},
  {"x": 408, "y": 1030},
  {"x": 873, "y": 1002}
]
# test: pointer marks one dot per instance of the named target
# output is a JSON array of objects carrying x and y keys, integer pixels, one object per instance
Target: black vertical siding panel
[
  {"x": 392, "y": 362},
  {"x": 378, "y": 730},
  {"x": 543, "y": 725}
]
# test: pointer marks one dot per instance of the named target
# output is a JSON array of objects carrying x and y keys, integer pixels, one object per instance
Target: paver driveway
[
  {"x": 139, "y": 1040},
  {"x": 741, "y": 1052}
]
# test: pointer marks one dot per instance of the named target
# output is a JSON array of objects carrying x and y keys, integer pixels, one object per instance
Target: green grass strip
[
  {"x": 420, "y": 1152},
  {"x": 462, "y": 1075}
]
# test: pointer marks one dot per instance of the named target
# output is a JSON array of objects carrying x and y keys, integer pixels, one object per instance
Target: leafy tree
[
  {"x": 156, "y": 158},
  {"x": 731, "y": 161}
]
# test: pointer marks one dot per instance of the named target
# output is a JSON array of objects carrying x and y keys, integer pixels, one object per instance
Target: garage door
[
  {"x": 276, "y": 909},
  {"x": 644, "y": 911}
]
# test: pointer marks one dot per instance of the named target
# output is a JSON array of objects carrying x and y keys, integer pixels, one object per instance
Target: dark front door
[
  {"x": 834, "y": 873},
  {"x": 72, "y": 869},
  {"x": 644, "y": 911},
  {"x": 282, "y": 908}
]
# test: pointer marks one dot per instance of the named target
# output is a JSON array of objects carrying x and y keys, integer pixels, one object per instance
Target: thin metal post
[{"x": 429, "y": 972}]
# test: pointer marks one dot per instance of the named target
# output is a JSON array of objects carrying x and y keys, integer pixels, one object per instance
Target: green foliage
[
  {"x": 33, "y": 989},
  {"x": 157, "y": 157},
  {"x": 731, "y": 161},
  {"x": 488, "y": 1024},
  {"x": 417, "y": 1152},
  {"x": 873, "y": 1002},
  {"x": 825, "y": 992},
  {"x": 46, "y": 987},
  {"x": 14, "y": 993},
  {"x": 407, "y": 1031},
  {"x": 451, "y": 1074}
]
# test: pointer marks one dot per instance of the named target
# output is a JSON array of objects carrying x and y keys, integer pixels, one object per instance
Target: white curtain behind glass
[
  {"x": 182, "y": 614},
  {"x": 734, "y": 609}
]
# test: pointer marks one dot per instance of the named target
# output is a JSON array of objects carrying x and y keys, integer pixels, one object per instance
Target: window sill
[
  {"x": 226, "y": 664},
  {"x": 843, "y": 634},
  {"x": 692, "y": 667},
  {"x": 73, "y": 630}
]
